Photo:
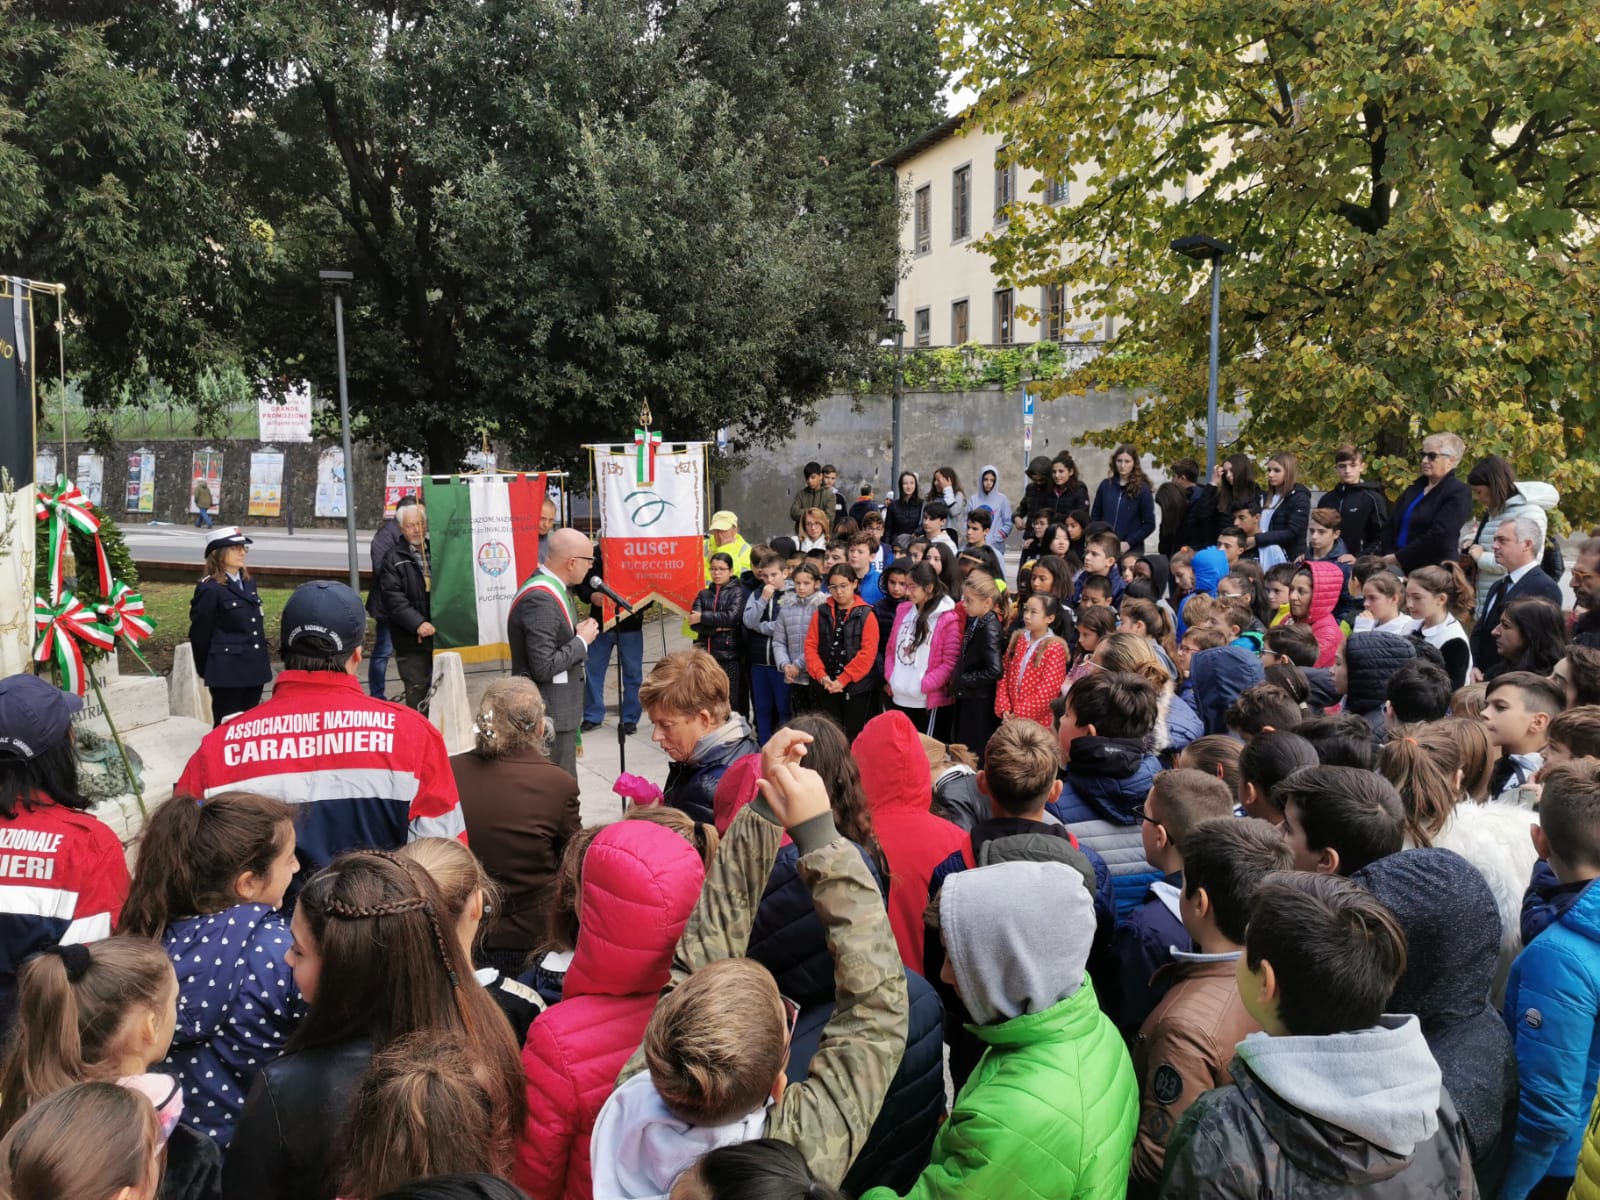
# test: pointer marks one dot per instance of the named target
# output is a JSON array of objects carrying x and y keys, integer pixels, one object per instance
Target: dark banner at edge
[{"x": 17, "y": 400}]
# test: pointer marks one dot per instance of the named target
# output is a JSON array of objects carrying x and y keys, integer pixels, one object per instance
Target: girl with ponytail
[
  {"x": 208, "y": 885},
  {"x": 99, "y": 1012},
  {"x": 1441, "y": 598},
  {"x": 374, "y": 956}
]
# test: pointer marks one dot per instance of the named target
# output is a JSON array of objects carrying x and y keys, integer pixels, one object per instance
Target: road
[{"x": 320, "y": 548}]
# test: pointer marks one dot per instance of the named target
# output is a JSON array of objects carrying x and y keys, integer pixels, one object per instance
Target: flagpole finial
[{"x": 644, "y": 414}]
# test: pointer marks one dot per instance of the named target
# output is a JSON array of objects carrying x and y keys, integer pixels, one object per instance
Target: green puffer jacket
[{"x": 1051, "y": 1110}]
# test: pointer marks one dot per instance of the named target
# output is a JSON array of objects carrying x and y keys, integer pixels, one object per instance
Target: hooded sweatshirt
[
  {"x": 919, "y": 677},
  {"x": 1452, "y": 930},
  {"x": 1360, "y": 1114},
  {"x": 1052, "y": 1106},
  {"x": 899, "y": 788},
  {"x": 1104, "y": 780},
  {"x": 995, "y": 501},
  {"x": 640, "y": 883},
  {"x": 1327, "y": 585},
  {"x": 1362, "y": 509}
]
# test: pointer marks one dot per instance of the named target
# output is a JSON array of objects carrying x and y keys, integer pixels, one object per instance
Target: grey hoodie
[
  {"x": 1011, "y": 958},
  {"x": 997, "y": 503},
  {"x": 1381, "y": 1084}
]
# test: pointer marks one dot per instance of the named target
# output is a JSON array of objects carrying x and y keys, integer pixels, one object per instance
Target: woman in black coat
[
  {"x": 904, "y": 513},
  {"x": 1424, "y": 526},
  {"x": 226, "y": 629},
  {"x": 1286, "y": 513}
]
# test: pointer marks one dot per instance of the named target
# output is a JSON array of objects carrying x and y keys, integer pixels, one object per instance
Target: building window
[
  {"x": 922, "y": 325},
  {"x": 961, "y": 204},
  {"x": 959, "y": 333},
  {"x": 1052, "y": 308},
  {"x": 1055, "y": 191},
  {"x": 1004, "y": 324},
  {"x": 924, "y": 218},
  {"x": 1005, "y": 189}
]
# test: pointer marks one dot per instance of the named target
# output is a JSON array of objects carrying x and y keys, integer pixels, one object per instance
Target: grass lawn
[{"x": 168, "y": 603}]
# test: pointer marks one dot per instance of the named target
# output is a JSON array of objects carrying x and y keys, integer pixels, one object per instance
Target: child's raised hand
[
  {"x": 785, "y": 746},
  {"x": 795, "y": 794}
]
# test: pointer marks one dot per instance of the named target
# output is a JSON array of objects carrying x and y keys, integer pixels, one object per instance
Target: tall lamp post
[
  {"x": 899, "y": 328},
  {"x": 1208, "y": 249},
  {"x": 338, "y": 281}
]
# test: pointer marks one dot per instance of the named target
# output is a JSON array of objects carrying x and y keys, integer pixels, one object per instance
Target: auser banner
[{"x": 653, "y": 519}]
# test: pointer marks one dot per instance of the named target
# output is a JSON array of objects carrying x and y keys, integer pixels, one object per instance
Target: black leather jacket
[
  {"x": 981, "y": 665},
  {"x": 287, "y": 1144}
]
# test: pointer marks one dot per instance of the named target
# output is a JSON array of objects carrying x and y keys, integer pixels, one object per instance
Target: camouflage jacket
[
  {"x": 828, "y": 1116},
  {"x": 1242, "y": 1141}
]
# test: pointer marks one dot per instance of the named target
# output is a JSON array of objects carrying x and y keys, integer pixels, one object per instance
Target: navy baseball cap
[
  {"x": 323, "y": 618},
  {"x": 34, "y": 715}
]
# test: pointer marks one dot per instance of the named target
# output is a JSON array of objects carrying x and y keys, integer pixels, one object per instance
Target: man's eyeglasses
[
  {"x": 791, "y": 1016},
  {"x": 1139, "y": 812}
]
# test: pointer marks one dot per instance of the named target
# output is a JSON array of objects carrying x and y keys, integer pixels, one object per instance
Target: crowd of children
[{"x": 1224, "y": 872}]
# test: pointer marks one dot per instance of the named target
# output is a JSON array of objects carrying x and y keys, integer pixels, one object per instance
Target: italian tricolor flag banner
[
  {"x": 652, "y": 520},
  {"x": 483, "y": 532}
]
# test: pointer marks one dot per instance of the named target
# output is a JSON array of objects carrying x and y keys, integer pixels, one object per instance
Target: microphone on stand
[{"x": 600, "y": 585}]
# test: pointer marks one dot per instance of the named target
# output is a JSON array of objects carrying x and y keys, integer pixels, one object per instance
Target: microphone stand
[{"x": 622, "y": 738}]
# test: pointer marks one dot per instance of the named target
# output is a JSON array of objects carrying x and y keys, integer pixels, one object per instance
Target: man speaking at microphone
[
  {"x": 627, "y": 636},
  {"x": 548, "y": 642}
]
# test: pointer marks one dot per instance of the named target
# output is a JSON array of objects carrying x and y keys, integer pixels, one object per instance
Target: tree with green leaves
[
  {"x": 102, "y": 193},
  {"x": 555, "y": 216},
  {"x": 1411, "y": 190}
]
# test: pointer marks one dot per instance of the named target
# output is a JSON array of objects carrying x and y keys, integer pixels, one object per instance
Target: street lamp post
[
  {"x": 899, "y": 327},
  {"x": 1207, "y": 249},
  {"x": 339, "y": 280}
]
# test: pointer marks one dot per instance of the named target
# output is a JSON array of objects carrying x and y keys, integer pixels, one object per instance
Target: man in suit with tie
[
  {"x": 1516, "y": 548},
  {"x": 549, "y": 644}
]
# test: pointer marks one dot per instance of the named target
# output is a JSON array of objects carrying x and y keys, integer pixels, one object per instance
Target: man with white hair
[
  {"x": 406, "y": 582},
  {"x": 1424, "y": 526},
  {"x": 548, "y": 642},
  {"x": 1518, "y": 544}
]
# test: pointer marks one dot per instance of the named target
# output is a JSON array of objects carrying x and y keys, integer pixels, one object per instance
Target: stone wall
[
  {"x": 961, "y": 430},
  {"x": 174, "y": 459}
]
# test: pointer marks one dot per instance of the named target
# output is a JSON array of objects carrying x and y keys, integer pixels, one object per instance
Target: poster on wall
[
  {"x": 266, "y": 483},
  {"x": 206, "y": 467},
  {"x": 403, "y": 478},
  {"x": 330, "y": 483},
  {"x": 141, "y": 481},
  {"x": 44, "y": 467},
  {"x": 91, "y": 477},
  {"x": 285, "y": 418}
]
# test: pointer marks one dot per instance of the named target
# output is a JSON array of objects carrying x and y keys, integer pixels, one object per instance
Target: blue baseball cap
[
  {"x": 323, "y": 618},
  {"x": 34, "y": 715}
]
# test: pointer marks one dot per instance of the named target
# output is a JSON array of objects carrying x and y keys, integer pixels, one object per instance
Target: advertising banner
[
  {"x": 330, "y": 483},
  {"x": 403, "y": 477},
  {"x": 91, "y": 478},
  {"x": 266, "y": 483},
  {"x": 206, "y": 467},
  {"x": 141, "y": 481}
]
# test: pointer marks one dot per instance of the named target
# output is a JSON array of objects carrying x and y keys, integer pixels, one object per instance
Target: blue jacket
[
  {"x": 1183, "y": 726},
  {"x": 226, "y": 632},
  {"x": 237, "y": 1006},
  {"x": 1141, "y": 946},
  {"x": 1219, "y": 675},
  {"x": 1132, "y": 520},
  {"x": 1553, "y": 1011},
  {"x": 1210, "y": 568},
  {"x": 1103, "y": 780}
]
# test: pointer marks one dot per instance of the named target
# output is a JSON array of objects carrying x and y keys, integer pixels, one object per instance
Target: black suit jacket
[
  {"x": 1435, "y": 529},
  {"x": 1535, "y": 585}
]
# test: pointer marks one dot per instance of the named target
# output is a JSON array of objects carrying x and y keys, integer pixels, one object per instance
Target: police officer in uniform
[{"x": 230, "y": 645}]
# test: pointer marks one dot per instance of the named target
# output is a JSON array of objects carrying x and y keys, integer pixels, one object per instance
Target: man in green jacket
[{"x": 1053, "y": 1105}]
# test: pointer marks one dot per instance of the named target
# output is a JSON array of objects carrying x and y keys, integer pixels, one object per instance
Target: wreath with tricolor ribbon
[{"x": 80, "y": 621}]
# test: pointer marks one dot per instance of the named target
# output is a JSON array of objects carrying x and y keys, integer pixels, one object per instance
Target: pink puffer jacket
[
  {"x": 944, "y": 651},
  {"x": 640, "y": 882}
]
